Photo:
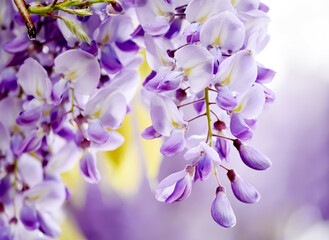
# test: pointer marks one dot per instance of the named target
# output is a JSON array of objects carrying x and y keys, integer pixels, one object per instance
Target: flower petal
[
  {"x": 34, "y": 79},
  {"x": 221, "y": 210},
  {"x": 80, "y": 68},
  {"x": 174, "y": 144},
  {"x": 242, "y": 190},
  {"x": 88, "y": 168}
]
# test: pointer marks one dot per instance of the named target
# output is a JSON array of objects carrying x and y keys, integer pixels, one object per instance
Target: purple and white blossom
[
  {"x": 66, "y": 93},
  {"x": 203, "y": 54}
]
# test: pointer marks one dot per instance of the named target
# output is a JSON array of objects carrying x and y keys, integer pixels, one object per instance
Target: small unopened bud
[
  {"x": 114, "y": 8},
  {"x": 181, "y": 94},
  {"x": 221, "y": 210},
  {"x": 242, "y": 190},
  {"x": 219, "y": 125},
  {"x": 171, "y": 53}
]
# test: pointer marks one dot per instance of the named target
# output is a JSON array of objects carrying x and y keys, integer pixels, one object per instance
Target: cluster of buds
[{"x": 202, "y": 53}]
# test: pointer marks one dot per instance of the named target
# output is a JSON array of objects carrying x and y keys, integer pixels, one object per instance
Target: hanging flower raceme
[
  {"x": 210, "y": 65},
  {"x": 62, "y": 98}
]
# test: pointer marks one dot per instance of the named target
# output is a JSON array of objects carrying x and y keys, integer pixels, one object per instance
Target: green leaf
[
  {"x": 80, "y": 12},
  {"x": 76, "y": 29}
]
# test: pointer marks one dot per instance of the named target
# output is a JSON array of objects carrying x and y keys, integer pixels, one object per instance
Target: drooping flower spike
[{"x": 210, "y": 65}]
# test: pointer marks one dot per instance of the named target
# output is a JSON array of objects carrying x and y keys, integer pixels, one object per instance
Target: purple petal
[
  {"x": 135, "y": 3},
  {"x": 252, "y": 158},
  {"x": 165, "y": 115},
  {"x": 225, "y": 100},
  {"x": 221, "y": 210},
  {"x": 197, "y": 64},
  {"x": 252, "y": 103},
  {"x": 243, "y": 190},
  {"x": 247, "y": 5},
  {"x": 92, "y": 48},
  {"x": 18, "y": 44},
  {"x": 223, "y": 30},
  {"x": 96, "y": 132},
  {"x": 174, "y": 29},
  {"x": 203, "y": 168},
  {"x": 150, "y": 133},
  {"x": 210, "y": 152},
  {"x": 48, "y": 225},
  {"x": 30, "y": 170},
  {"x": 34, "y": 79},
  {"x": 47, "y": 196},
  {"x": 167, "y": 185},
  {"x": 5, "y": 184},
  {"x": 29, "y": 117},
  {"x": 109, "y": 60},
  {"x": 32, "y": 142},
  {"x": 59, "y": 90},
  {"x": 239, "y": 127},
  {"x": 28, "y": 216},
  {"x": 164, "y": 80},
  {"x": 201, "y": 10},
  {"x": 127, "y": 46},
  {"x": 238, "y": 72},
  {"x": 115, "y": 140},
  {"x": 223, "y": 148},
  {"x": 264, "y": 75},
  {"x": 263, "y": 7},
  {"x": 174, "y": 144},
  {"x": 178, "y": 191},
  {"x": 114, "y": 111},
  {"x": 88, "y": 168},
  {"x": 80, "y": 68}
]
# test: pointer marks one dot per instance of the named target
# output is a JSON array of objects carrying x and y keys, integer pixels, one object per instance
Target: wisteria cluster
[
  {"x": 202, "y": 53},
  {"x": 69, "y": 71}
]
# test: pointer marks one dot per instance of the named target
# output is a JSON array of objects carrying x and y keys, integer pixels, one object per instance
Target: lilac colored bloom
[
  {"x": 221, "y": 210},
  {"x": 150, "y": 133},
  {"x": 165, "y": 116},
  {"x": 34, "y": 80},
  {"x": 176, "y": 187},
  {"x": 251, "y": 157},
  {"x": 239, "y": 128},
  {"x": 242, "y": 190},
  {"x": 202, "y": 155},
  {"x": 223, "y": 30},
  {"x": 223, "y": 148},
  {"x": 110, "y": 60},
  {"x": 264, "y": 75},
  {"x": 48, "y": 225},
  {"x": 164, "y": 80},
  {"x": 174, "y": 144},
  {"x": 80, "y": 69},
  {"x": 28, "y": 216},
  {"x": 88, "y": 168},
  {"x": 197, "y": 64},
  {"x": 225, "y": 100}
]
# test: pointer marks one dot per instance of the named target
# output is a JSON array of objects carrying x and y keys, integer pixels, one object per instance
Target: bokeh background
[{"x": 293, "y": 132}]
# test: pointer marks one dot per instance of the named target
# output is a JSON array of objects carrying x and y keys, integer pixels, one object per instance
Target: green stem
[
  {"x": 44, "y": 10},
  {"x": 206, "y": 96},
  {"x": 72, "y": 107},
  {"x": 210, "y": 134}
]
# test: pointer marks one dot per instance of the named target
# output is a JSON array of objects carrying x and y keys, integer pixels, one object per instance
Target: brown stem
[{"x": 31, "y": 31}]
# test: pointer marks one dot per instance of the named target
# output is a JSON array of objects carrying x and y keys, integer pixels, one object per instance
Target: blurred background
[{"x": 293, "y": 133}]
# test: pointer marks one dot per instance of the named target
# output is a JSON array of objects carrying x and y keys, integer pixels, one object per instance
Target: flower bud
[
  {"x": 221, "y": 210},
  {"x": 251, "y": 157},
  {"x": 175, "y": 187},
  {"x": 242, "y": 190}
]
